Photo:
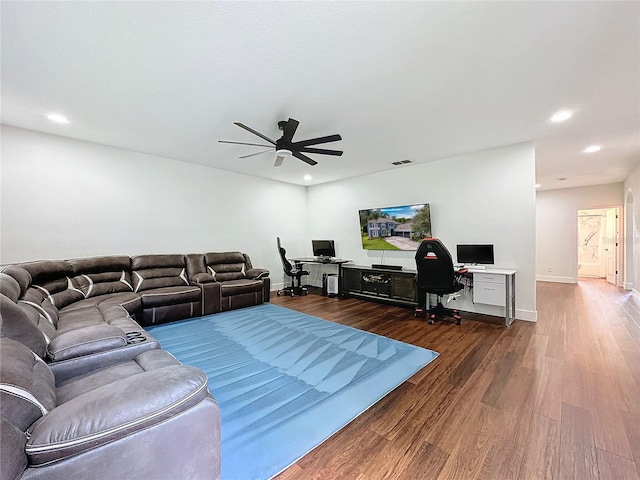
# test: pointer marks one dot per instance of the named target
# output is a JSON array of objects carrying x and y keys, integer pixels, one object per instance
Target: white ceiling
[{"x": 398, "y": 80}]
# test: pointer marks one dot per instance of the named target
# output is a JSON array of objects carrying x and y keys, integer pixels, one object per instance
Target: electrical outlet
[{"x": 549, "y": 269}]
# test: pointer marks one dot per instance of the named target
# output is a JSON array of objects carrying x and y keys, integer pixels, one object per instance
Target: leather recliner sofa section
[
  {"x": 145, "y": 417},
  {"x": 240, "y": 284},
  {"x": 93, "y": 307}
]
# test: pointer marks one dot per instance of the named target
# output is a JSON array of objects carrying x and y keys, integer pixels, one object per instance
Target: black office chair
[
  {"x": 436, "y": 275},
  {"x": 294, "y": 273}
]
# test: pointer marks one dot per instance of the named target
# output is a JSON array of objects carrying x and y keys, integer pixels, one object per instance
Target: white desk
[{"x": 495, "y": 286}]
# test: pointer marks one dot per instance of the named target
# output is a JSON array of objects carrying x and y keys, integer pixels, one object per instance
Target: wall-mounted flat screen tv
[{"x": 395, "y": 228}]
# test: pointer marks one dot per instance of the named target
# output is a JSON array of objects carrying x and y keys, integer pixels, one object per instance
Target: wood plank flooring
[{"x": 555, "y": 399}]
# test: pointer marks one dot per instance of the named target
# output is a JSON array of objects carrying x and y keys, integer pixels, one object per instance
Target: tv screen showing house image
[{"x": 395, "y": 228}]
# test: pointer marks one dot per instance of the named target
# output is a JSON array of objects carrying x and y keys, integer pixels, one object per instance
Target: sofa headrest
[
  {"x": 102, "y": 275},
  {"x": 157, "y": 261},
  {"x": 100, "y": 264},
  {"x": 9, "y": 287},
  {"x": 26, "y": 384},
  {"x": 45, "y": 271},
  {"x": 16, "y": 324},
  {"x": 215, "y": 258},
  {"x": 226, "y": 266},
  {"x": 19, "y": 274}
]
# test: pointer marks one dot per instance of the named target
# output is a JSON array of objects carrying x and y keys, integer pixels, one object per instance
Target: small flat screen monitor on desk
[
  {"x": 323, "y": 248},
  {"x": 475, "y": 254}
]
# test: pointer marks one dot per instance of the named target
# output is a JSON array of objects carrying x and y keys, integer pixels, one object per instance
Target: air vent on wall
[{"x": 401, "y": 162}]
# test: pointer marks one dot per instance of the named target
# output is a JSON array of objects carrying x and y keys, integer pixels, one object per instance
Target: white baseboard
[
  {"x": 547, "y": 278},
  {"x": 627, "y": 286},
  {"x": 527, "y": 315}
]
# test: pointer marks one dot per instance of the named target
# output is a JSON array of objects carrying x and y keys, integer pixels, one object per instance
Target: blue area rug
[{"x": 286, "y": 381}]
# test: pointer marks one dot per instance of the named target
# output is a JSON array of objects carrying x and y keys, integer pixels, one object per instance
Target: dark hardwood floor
[{"x": 555, "y": 399}]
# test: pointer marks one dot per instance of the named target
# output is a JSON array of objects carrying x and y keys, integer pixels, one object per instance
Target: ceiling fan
[{"x": 285, "y": 146}]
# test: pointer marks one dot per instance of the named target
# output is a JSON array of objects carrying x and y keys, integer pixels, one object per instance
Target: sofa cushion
[
  {"x": 81, "y": 384},
  {"x": 169, "y": 296},
  {"x": 86, "y": 341},
  {"x": 36, "y": 298},
  {"x": 238, "y": 287},
  {"x": 9, "y": 287},
  {"x": 102, "y": 275},
  {"x": 226, "y": 265},
  {"x": 26, "y": 384},
  {"x": 194, "y": 263},
  {"x": 12, "y": 443},
  {"x": 39, "y": 319},
  {"x": 18, "y": 274},
  {"x": 158, "y": 271},
  {"x": 53, "y": 279},
  {"x": 110, "y": 309},
  {"x": 16, "y": 324},
  {"x": 112, "y": 412},
  {"x": 45, "y": 271}
]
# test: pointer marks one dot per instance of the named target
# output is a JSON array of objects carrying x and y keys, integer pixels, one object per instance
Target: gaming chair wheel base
[{"x": 439, "y": 312}]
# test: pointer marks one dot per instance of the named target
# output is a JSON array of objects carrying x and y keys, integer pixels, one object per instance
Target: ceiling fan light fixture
[{"x": 283, "y": 152}]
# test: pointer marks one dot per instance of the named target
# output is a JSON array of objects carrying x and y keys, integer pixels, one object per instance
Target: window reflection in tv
[{"x": 395, "y": 228}]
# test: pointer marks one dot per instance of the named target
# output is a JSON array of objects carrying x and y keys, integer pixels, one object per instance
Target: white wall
[
  {"x": 557, "y": 227},
  {"x": 483, "y": 197},
  {"x": 63, "y": 198},
  {"x": 632, "y": 230}
]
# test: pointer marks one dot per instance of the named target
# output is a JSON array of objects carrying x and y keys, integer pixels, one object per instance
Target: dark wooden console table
[{"x": 379, "y": 284}]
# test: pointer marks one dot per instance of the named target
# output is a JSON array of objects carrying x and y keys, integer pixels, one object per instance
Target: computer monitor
[
  {"x": 323, "y": 248},
  {"x": 475, "y": 254}
]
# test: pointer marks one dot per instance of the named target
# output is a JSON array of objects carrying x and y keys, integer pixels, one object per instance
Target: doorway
[{"x": 598, "y": 244}]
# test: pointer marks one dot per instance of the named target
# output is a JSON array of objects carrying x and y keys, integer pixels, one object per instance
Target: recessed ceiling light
[
  {"x": 307, "y": 177},
  {"x": 561, "y": 116},
  {"x": 592, "y": 148},
  {"x": 57, "y": 118}
]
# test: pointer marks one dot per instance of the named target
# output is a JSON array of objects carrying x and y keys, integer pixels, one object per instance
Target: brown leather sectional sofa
[{"x": 85, "y": 390}]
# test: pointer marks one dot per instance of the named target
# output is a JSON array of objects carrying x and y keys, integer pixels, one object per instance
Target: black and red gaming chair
[{"x": 436, "y": 275}]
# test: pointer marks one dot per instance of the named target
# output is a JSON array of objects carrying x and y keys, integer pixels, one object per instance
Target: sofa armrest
[
  {"x": 85, "y": 341},
  {"x": 257, "y": 273},
  {"x": 72, "y": 367},
  {"x": 211, "y": 296},
  {"x": 112, "y": 412},
  {"x": 199, "y": 278}
]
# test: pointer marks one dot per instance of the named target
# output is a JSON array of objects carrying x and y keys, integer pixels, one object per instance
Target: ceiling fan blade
[
  {"x": 304, "y": 158},
  {"x": 257, "y": 153},
  {"x": 279, "y": 160},
  {"x": 245, "y": 143},
  {"x": 322, "y": 151},
  {"x": 249, "y": 129},
  {"x": 289, "y": 129},
  {"x": 316, "y": 141}
]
